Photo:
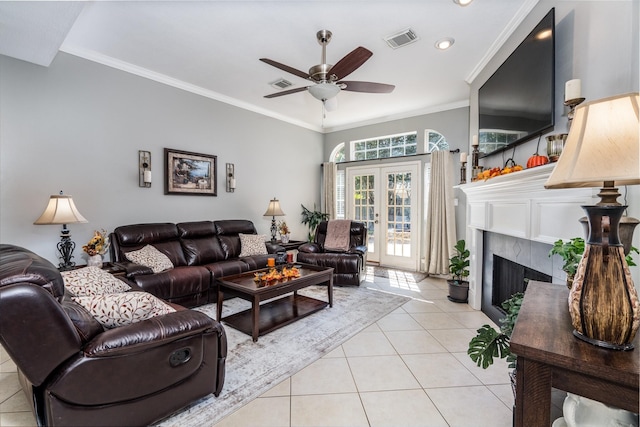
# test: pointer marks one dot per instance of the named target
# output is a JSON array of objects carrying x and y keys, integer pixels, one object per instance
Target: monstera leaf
[{"x": 488, "y": 344}]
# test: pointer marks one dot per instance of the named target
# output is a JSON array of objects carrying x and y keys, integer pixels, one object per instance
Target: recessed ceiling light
[
  {"x": 445, "y": 43},
  {"x": 462, "y": 2}
]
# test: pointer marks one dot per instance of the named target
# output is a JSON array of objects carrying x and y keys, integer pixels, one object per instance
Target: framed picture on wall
[{"x": 190, "y": 173}]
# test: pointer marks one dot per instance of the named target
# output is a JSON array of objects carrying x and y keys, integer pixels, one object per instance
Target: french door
[{"x": 386, "y": 199}]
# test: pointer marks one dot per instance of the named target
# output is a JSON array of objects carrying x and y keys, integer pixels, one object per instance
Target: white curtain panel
[
  {"x": 329, "y": 172},
  {"x": 441, "y": 219}
]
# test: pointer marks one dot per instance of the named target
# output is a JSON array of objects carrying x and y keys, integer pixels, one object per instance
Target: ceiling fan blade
[
  {"x": 351, "y": 62},
  {"x": 286, "y": 92},
  {"x": 367, "y": 87},
  {"x": 285, "y": 68}
]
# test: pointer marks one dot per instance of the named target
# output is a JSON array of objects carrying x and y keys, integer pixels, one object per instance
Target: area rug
[
  {"x": 254, "y": 368},
  {"x": 393, "y": 272}
]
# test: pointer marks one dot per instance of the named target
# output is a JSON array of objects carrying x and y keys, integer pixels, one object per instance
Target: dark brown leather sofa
[
  {"x": 200, "y": 251},
  {"x": 348, "y": 267},
  {"x": 75, "y": 373}
]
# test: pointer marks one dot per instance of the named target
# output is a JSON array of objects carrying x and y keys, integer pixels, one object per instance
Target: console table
[{"x": 550, "y": 356}]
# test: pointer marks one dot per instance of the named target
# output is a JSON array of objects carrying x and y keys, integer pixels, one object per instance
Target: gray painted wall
[{"x": 77, "y": 126}]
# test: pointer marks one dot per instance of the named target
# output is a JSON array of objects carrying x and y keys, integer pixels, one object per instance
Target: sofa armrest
[
  {"x": 132, "y": 269},
  {"x": 361, "y": 250},
  {"x": 273, "y": 248},
  {"x": 151, "y": 333},
  {"x": 143, "y": 359},
  {"x": 311, "y": 248}
]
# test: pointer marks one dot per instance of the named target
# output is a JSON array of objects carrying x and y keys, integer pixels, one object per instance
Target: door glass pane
[
  {"x": 399, "y": 215},
  {"x": 364, "y": 201}
]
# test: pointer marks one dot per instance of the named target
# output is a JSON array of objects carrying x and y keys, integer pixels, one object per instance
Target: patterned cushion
[
  {"x": 252, "y": 244},
  {"x": 150, "y": 257},
  {"x": 92, "y": 281},
  {"x": 115, "y": 310}
]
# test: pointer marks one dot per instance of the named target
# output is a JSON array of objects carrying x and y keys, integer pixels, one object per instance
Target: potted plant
[
  {"x": 312, "y": 218},
  {"x": 571, "y": 253},
  {"x": 459, "y": 269},
  {"x": 283, "y": 229},
  {"x": 489, "y": 343}
]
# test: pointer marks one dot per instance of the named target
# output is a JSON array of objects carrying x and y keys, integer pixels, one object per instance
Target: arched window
[
  {"x": 337, "y": 155},
  {"x": 434, "y": 141}
]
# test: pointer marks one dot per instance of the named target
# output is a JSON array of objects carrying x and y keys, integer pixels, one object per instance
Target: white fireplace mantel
[{"x": 518, "y": 205}]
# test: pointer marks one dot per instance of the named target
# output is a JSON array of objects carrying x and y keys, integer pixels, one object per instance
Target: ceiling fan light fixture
[
  {"x": 462, "y": 3},
  {"x": 445, "y": 43},
  {"x": 324, "y": 91}
]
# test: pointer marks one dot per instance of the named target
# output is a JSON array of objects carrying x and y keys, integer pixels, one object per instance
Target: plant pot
[
  {"x": 94, "y": 261},
  {"x": 458, "y": 291}
]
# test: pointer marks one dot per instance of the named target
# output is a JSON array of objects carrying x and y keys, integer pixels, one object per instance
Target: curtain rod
[{"x": 457, "y": 150}]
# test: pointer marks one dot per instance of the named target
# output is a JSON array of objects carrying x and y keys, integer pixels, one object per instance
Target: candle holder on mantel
[
  {"x": 572, "y": 104},
  {"x": 475, "y": 156},
  {"x": 463, "y": 173}
]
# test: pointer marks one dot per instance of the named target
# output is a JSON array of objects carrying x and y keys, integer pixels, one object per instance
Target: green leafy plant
[
  {"x": 459, "y": 263},
  {"x": 629, "y": 259},
  {"x": 311, "y": 218},
  {"x": 489, "y": 343},
  {"x": 571, "y": 252}
]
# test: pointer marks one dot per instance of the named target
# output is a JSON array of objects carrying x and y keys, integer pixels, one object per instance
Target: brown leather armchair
[
  {"x": 76, "y": 373},
  {"x": 348, "y": 266}
]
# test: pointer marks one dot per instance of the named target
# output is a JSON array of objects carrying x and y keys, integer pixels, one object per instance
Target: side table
[{"x": 550, "y": 356}]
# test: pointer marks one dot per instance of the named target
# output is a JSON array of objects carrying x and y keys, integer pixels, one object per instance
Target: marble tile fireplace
[{"x": 514, "y": 218}]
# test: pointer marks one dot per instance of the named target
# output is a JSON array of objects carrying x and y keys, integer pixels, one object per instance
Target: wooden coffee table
[{"x": 283, "y": 309}]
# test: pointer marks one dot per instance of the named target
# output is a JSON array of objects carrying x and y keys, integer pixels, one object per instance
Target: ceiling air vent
[
  {"x": 402, "y": 38},
  {"x": 281, "y": 84}
]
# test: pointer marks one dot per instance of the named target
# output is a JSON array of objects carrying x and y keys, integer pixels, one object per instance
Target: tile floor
[{"x": 410, "y": 368}]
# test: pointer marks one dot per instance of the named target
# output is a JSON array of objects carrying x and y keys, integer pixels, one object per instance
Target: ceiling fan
[{"x": 327, "y": 78}]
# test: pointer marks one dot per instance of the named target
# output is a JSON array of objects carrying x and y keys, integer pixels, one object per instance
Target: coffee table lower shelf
[{"x": 275, "y": 314}]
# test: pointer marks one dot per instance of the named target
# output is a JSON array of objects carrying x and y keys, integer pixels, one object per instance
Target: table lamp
[
  {"x": 273, "y": 211},
  {"x": 602, "y": 150},
  {"x": 62, "y": 210}
]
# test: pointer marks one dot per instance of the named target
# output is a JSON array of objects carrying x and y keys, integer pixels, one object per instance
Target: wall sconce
[
  {"x": 144, "y": 165},
  {"x": 231, "y": 178}
]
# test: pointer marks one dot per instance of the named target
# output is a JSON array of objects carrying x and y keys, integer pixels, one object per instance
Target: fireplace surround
[{"x": 518, "y": 219}]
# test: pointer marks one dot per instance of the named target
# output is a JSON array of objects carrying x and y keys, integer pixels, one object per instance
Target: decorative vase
[
  {"x": 284, "y": 238},
  {"x": 94, "y": 261},
  {"x": 603, "y": 301}
]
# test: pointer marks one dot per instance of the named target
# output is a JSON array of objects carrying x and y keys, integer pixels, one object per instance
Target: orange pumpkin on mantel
[{"x": 537, "y": 160}]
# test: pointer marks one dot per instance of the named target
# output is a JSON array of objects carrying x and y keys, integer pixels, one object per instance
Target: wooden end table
[
  {"x": 283, "y": 309},
  {"x": 550, "y": 356}
]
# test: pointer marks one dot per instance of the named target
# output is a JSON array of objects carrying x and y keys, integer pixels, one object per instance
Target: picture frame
[{"x": 188, "y": 173}]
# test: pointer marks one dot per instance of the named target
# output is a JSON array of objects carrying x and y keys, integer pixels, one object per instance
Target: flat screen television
[{"x": 516, "y": 103}]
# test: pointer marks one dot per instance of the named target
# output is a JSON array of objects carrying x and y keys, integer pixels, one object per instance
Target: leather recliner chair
[
  {"x": 76, "y": 373},
  {"x": 348, "y": 266}
]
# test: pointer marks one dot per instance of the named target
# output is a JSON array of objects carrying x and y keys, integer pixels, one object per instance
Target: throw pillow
[
  {"x": 113, "y": 310},
  {"x": 252, "y": 244},
  {"x": 92, "y": 281},
  {"x": 150, "y": 257}
]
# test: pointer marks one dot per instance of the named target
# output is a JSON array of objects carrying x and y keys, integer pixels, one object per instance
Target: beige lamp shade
[
  {"x": 60, "y": 210},
  {"x": 274, "y": 208},
  {"x": 602, "y": 145}
]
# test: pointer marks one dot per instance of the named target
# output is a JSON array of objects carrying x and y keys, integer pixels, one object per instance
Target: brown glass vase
[{"x": 603, "y": 301}]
